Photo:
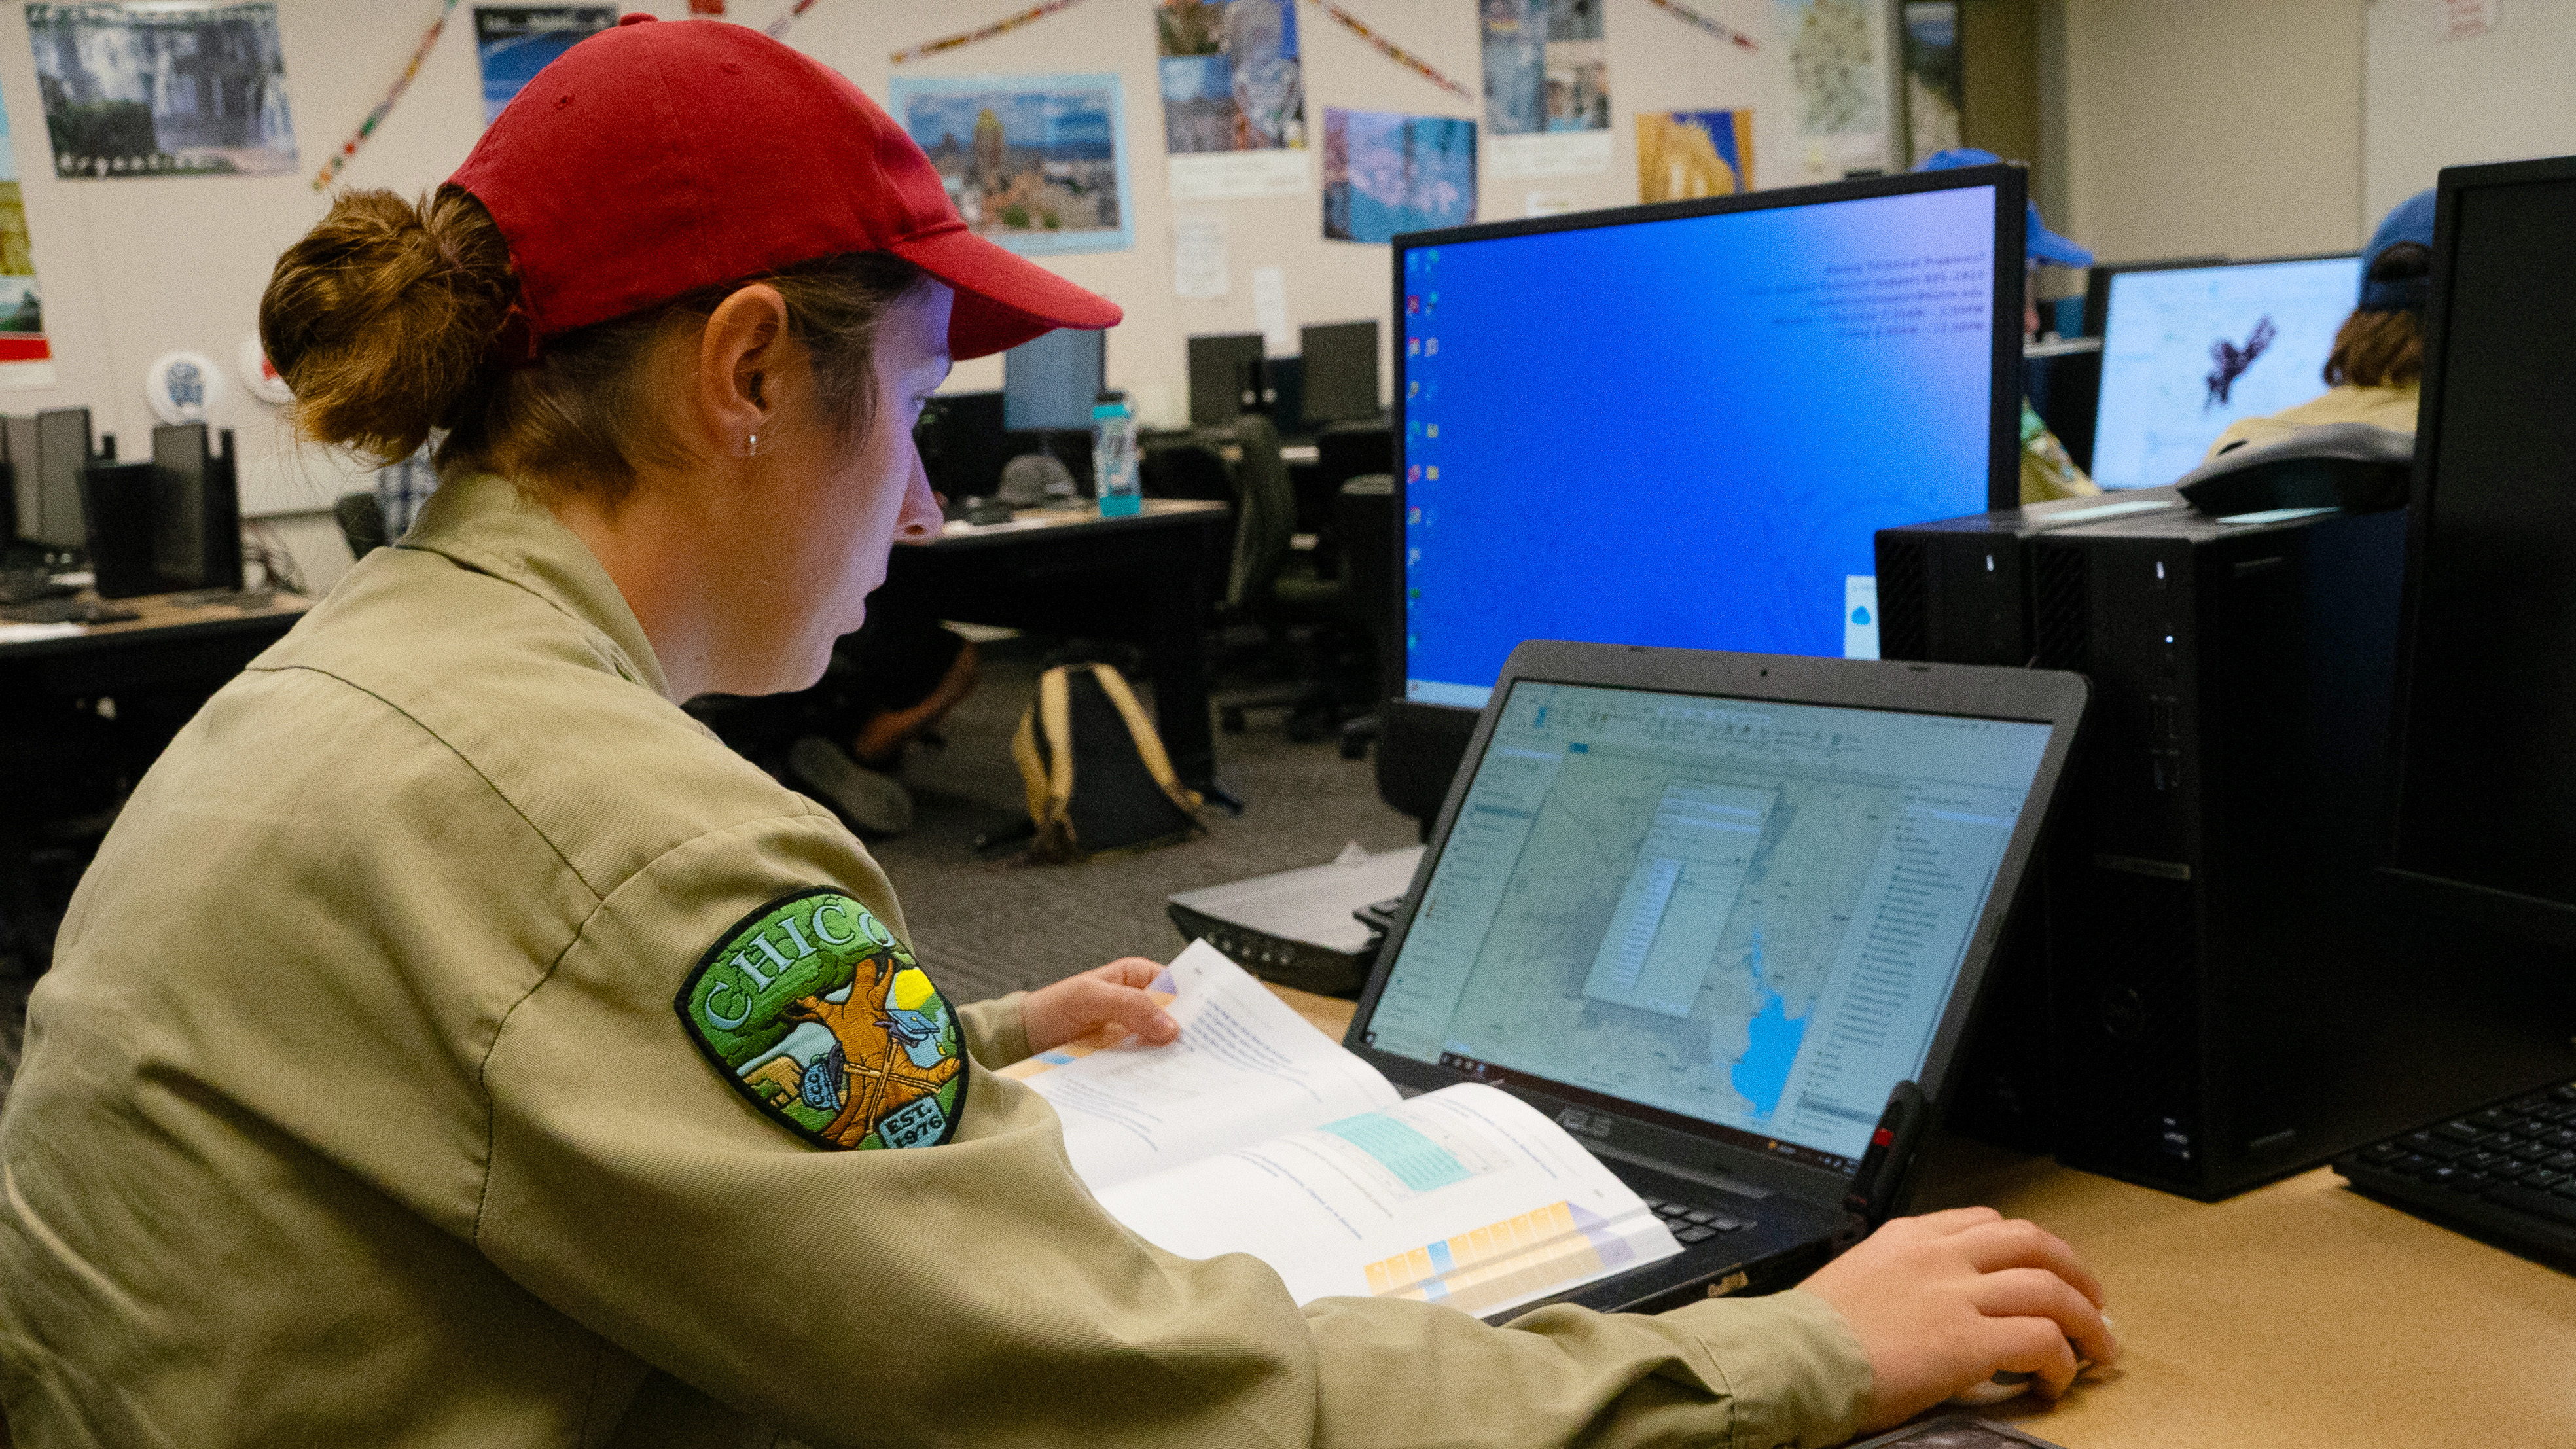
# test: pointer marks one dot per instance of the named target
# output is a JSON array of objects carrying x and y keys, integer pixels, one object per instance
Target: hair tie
[{"x": 516, "y": 346}]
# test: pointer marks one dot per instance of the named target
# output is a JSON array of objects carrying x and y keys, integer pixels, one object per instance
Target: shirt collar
[{"x": 481, "y": 521}]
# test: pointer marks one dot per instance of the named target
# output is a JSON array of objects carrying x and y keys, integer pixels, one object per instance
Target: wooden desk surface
[
  {"x": 1033, "y": 520},
  {"x": 2297, "y": 1314},
  {"x": 162, "y": 613}
]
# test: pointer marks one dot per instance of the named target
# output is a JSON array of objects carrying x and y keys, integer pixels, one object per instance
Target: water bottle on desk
[{"x": 1113, "y": 456}]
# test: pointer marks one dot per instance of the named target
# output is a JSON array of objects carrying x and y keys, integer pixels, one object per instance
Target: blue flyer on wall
[{"x": 513, "y": 42}]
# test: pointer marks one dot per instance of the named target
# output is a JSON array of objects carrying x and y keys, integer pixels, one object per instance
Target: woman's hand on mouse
[
  {"x": 1108, "y": 1000},
  {"x": 1944, "y": 1301}
]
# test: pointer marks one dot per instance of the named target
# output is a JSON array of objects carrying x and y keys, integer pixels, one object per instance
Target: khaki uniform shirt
[
  {"x": 357, "y": 1109},
  {"x": 2383, "y": 407}
]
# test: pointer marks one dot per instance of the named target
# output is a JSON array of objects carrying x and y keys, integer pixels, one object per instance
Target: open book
[{"x": 1255, "y": 1133}]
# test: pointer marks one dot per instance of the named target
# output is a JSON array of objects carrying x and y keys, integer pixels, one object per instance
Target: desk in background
[
  {"x": 1143, "y": 579},
  {"x": 179, "y": 639},
  {"x": 2297, "y": 1314}
]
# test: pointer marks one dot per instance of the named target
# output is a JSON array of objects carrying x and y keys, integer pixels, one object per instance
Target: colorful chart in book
[
  {"x": 1517, "y": 1258},
  {"x": 1163, "y": 990}
]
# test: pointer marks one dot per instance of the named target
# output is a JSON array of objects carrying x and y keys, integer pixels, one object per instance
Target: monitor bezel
[
  {"x": 1966, "y": 691},
  {"x": 2530, "y": 918},
  {"x": 2097, "y": 318},
  {"x": 2003, "y": 424}
]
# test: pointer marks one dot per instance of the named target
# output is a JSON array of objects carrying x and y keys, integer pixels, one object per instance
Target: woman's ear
[{"x": 738, "y": 349}]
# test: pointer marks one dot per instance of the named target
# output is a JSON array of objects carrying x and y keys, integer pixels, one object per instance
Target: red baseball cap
[{"x": 654, "y": 159}]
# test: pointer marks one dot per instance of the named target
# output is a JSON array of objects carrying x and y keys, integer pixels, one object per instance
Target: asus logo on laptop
[{"x": 1588, "y": 1123}]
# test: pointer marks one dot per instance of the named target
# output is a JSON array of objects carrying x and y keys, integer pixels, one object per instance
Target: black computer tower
[
  {"x": 1957, "y": 591},
  {"x": 196, "y": 527},
  {"x": 2232, "y": 998}
]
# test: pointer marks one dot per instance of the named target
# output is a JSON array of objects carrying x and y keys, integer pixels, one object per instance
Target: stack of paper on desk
[{"x": 1255, "y": 1133}]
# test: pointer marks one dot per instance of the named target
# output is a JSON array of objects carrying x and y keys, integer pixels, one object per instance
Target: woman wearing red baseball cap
[{"x": 454, "y": 1043}]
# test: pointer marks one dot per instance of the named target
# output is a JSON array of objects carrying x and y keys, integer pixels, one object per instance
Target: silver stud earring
[{"x": 751, "y": 445}]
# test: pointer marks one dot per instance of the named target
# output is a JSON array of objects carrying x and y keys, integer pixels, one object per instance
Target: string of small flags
[{"x": 375, "y": 118}]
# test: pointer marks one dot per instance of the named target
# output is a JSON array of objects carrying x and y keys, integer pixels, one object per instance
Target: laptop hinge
[{"x": 1718, "y": 1180}]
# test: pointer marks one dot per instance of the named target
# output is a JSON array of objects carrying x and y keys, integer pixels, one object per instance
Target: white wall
[
  {"x": 2432, "y": 100},
  {"x": 2201, "y": 126},
  {"x": 133, "y": 268}
]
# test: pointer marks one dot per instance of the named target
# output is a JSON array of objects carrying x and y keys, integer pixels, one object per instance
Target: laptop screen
[{"x": 1742, "y": 912}]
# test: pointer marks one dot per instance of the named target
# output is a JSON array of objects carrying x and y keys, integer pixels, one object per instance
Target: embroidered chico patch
[{"x": 814, "y": 1011}]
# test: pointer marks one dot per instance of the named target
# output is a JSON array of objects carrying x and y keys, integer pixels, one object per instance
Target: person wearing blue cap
[
  {"x": 2377, "y": 365},
  {"x": 2047, "y": 470}
]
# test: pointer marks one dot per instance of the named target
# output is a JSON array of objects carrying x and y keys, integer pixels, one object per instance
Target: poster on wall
[
  {"x": 1837, "y": 83},
  {"x": 1547, "y": 87},
  {"x": 1933, "y": 78},
  {"x": 1686, "y": 154},
  {"x": 1034, "y": 163},
  {"x": 26, "y": 358},
  {"x": 513, "y": 42},
  {"x": 1234, "y": 98},
  {"x": 1386, "y": 173},
  {"x": 163, "y": 89}
]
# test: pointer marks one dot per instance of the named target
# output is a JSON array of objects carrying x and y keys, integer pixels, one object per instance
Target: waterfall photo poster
[{"x": 163, "y": 89}]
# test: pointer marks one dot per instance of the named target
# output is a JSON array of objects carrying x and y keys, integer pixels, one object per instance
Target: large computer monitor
[
  {"x": 1681, "y": 424},
  {"x": 1050, "y": 382},
  {"x": 2486, "y": 788},
  {"x": 2189, "y": 350},
  {"x": 1341, "y": 372}
]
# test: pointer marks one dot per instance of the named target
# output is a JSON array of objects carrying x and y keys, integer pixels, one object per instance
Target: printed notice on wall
[{"x": 1198, "y": 258}]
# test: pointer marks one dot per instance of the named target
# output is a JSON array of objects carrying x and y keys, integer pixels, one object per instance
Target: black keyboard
[
  {"x": 2507, "y": 1173},
  {"x": 1693, "y": 1224}
]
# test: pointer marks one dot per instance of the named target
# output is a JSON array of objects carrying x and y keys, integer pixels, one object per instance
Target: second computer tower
[{"x": 2232, "y": 997}]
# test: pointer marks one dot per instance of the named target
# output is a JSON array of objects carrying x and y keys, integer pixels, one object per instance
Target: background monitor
[
  {"x": 1341, "y": 372},
  {"x": 1050, "y": 382},
  {"x": 1225, "y": 377},
  {"x": 2486, "y": 798},
  {"x": 1682, "y": 424},
  {"x": 2187, "y": 351}
]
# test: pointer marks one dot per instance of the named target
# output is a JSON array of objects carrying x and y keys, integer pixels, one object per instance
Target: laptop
[{"x": 1707, "y": 911}]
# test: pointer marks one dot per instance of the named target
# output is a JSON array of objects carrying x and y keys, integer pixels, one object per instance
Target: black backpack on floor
[{"x": 1097, "y": 777}]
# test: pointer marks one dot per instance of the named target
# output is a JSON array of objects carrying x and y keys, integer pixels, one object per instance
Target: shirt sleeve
[
  {"x": 996, "y": 1033},
  {"x": 973, "y": 1292}
]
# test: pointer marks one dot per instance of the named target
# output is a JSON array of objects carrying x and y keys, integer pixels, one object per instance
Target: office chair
[
  {"x": 1364, "y": 519},
  {"x": 362, "y": 523},
  {"x": 1298, "y": 612}
]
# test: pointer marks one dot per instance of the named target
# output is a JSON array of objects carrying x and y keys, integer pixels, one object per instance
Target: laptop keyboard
[
  {"x": 1694, "y": 1224},
  {"x": 2510, "y": 1169}
]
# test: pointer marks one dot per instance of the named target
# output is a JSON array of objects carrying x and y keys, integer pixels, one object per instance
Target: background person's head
[
  {"x": 2382, "y": 343},
  {"x": 2039, "y": 245},
  {"x": 687, "y": 292}
]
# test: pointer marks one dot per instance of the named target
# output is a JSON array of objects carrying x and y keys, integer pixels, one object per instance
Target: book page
[
  {"x": 1246, "y": 1067},
  {"x": 1465, "y": 1196}
]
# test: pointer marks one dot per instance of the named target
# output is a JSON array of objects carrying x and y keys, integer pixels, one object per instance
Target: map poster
[
  {"x": 1386, "y": 173},
  {"x": 1547, "y": 87},
  {"x": 513, "y": 42},
  {"x": 1037, "y": 164},
  {"x": 1682, "y": 155},
  {"x": 1234, "y": 98},
  {"x": 1838, "y": 78},
  {"x": 26, "y": 358},
  {"x": 163, "y": 89}
]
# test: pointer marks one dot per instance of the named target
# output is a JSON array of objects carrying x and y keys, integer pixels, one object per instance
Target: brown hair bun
[{"x": 382, "y": 318}]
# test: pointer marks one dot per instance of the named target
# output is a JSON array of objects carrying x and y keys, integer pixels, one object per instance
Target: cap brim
[{"x": 1003, "y": 299}]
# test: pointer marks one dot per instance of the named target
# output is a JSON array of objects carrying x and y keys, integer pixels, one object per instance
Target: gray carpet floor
[{"x": 985, "y": 926}]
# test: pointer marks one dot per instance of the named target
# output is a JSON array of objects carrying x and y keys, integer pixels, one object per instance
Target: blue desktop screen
[
  {"x": 2186, "y": 351},
  {"x": 1686, "y": 431}
]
